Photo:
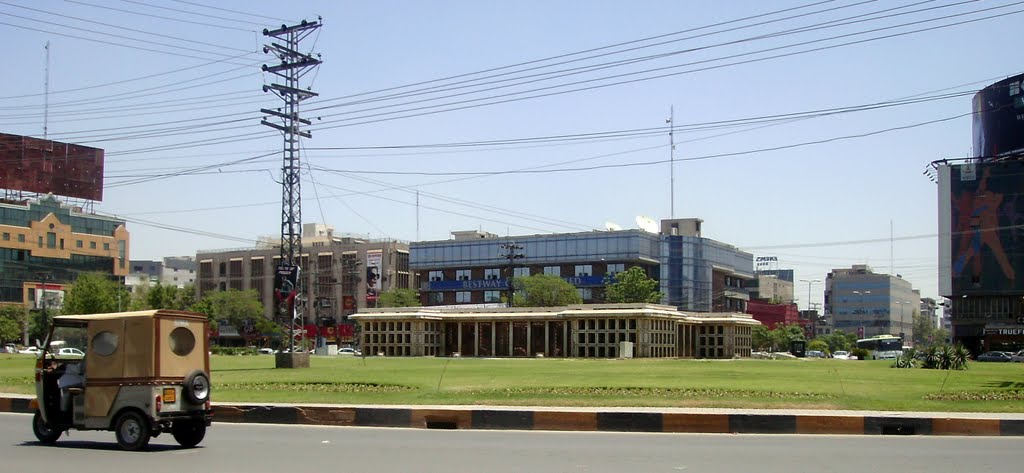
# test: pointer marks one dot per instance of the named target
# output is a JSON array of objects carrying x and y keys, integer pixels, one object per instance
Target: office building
[{"x": 867, "y": 303}]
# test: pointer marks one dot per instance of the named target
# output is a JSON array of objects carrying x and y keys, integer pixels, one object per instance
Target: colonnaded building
[{"x": 580, "y": 331}]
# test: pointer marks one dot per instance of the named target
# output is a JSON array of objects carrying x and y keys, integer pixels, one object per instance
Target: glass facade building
[
  {"x": 695, "y": 273},
  {"x": 47, "y": 242}
]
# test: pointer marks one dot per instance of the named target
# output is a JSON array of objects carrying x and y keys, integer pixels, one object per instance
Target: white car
[
  {"x": 29, "y": 351},
  {"x": 841, "y": 355},
  {"x": 267, "y": 351},
  {"x": 1018, "y": 357},
  {"x": 70, "y": 352},
  {"x": 349, "y": 352}
]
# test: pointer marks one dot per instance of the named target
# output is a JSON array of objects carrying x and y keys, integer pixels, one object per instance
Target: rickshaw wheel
[
  {"x": 132, "y": 431},
  {"x": 45, "y": 434},
  {"x": 188, "y": 433}
]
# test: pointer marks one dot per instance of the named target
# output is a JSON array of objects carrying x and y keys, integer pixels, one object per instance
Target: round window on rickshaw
[
  {"x": 182, "y": 341},
  {"x": 104, "y": 343}
]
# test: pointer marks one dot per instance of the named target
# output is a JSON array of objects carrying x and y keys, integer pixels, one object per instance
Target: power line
[
  {"x": 232, "y": 11},
  {"x": 212, "y": 25},
  {"x": 205, "y": 15},
  {"x": 178, "y": 38}
]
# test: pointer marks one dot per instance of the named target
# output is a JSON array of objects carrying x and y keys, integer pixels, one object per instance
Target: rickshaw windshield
[{"x": 67, "y": 341}]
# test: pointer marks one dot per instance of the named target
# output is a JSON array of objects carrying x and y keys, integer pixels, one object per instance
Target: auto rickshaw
[{"x": 143, "y": 373}]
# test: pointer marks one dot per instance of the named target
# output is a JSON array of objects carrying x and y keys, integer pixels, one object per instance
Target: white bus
[{"x": 882, "y": 347}]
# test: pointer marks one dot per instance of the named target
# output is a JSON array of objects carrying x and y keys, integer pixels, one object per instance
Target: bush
[
  {"x": 860, "y": 353},
  {"x": 906, "y": 360},
  {"x": 233, "y": 351}
]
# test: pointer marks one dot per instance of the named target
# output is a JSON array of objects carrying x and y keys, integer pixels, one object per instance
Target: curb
[{"x": 507, "y": 418}]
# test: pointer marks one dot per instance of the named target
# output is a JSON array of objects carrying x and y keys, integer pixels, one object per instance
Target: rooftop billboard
[
  {"x": 998, "y": 125},
  {"x": 43, "y": 166},
  {"x": 986, "y": 228}
]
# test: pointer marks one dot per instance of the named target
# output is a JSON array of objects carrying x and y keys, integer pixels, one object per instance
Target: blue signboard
[{"x": 502, "y": 284}]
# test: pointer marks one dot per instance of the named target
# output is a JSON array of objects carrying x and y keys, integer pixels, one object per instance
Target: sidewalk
[{"x": 611, "y": 419}]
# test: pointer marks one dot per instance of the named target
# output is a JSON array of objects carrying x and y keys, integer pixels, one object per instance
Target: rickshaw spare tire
[
  {"x": 46, "y": 434},
  {"x": 197, "y": 387}
]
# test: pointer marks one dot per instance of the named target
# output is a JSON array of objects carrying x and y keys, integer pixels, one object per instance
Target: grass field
[{"x": 805, "y": 384}]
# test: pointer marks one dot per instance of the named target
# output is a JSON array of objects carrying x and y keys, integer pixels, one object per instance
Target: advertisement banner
[
  {"x": 373, "y": 271},
  {"x": 51, "y": 297},
  {"x": 987, "y": 227}
]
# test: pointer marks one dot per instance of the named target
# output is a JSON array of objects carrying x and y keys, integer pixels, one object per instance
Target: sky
[{"x": 802, "y": 129}]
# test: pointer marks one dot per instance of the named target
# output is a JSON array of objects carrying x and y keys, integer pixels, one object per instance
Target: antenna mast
[
  {"x": 294, "y": 64},
  {"x": 46, "y": 92},
  {"x": 672, "y": 160}
]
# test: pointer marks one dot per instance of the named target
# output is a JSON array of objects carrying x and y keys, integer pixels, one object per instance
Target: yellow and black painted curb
[{"x": 597, "y": 421}]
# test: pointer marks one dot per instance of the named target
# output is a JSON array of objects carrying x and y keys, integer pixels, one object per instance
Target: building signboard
[{"x": 502, "y": 284}]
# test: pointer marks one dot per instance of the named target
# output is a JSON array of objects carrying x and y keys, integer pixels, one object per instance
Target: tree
[
  {"x": 399, "y": 298},
  {"x": 818, "y": 345},
  {"x": 632, "y": 286},
  {"x": 95, "y": 293},
  {"x": 760, "y": 338},
  {"x": 926, "y": 334},
  {"x": 232, "y": 306},
  {"x": 12, "y": 321},
  {"x": 544, "y": 290},
  {"x": 838, "y": 340}
]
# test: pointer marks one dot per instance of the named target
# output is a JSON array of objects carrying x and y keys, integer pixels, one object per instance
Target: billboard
[
  {"x": 373, "y": 269},
  {"x": 43, "y": 166},
  {"x": 986, "y": 228},
  {"x": 998, "y": 120}
]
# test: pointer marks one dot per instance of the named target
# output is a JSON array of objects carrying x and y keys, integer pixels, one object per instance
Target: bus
[{"x": 882, "y": 347}]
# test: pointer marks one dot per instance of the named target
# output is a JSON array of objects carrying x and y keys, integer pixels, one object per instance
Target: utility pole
[
  {"x": 294, "y": 64},
  {"x": 512, "y": 253}
]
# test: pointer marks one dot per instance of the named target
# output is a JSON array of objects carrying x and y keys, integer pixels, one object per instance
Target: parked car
[
  {"x": 841, "y": 355},
  {"x": 1018, "y": 357},
  {"x": 348, "y": 351},
  {"x": 70, "y": 351},
  {"x": 994, "y": 356},
  {"x": 10, "y": 348},
  {"x": 815, "y": 354},
  {"x": 267, "y": 351},
  {"x": 29, "y": 351}
]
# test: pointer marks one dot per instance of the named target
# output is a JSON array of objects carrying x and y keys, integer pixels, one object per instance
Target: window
[
  {"x": 21, "y": 238},
  {"x": 104, "y": 343},
  {"x": 78, "y": 243},
  {"x": 492, "y": 273},
  {"x": 182, "y": 341},
  {"x": 615, "y": 268},
  {"x": 462, "y": 297},
  {"x": 437, "y": 275},
  {"x": 7, "y": 236},
  {"x": 92, "y": 245},
  {"x": 51, "y": 240},
  {"x": 463, "y": 274},
  {"x": 585, "y": 293},
  {"x": 435, "y": 298},
  {"x": 106, "y": 246},
  {"x": 492, "y": 296},
  {"x": 584, "y": 270},
  {"x": 520, "y": 272},
  {"x": 553, "y": 270}
]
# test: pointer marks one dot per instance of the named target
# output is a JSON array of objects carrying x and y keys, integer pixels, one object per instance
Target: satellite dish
[
  {"x": 612, "y": 226},
  {"x": 647, "y": 224}
]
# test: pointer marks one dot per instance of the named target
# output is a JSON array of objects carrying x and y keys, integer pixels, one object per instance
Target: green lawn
[{"x": 809, "y": 384}]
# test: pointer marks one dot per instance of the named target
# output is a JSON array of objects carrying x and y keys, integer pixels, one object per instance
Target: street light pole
[{"x": 809, "y": 282}]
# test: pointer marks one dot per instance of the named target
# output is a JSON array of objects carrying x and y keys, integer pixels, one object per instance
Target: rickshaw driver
[{"x": 73, "y": 377}]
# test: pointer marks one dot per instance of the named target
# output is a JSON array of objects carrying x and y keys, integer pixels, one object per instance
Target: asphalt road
[{"x": 257, "y": 448}]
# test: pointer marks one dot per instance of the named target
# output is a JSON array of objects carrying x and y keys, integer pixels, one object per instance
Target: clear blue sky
[{"x": 797, "y": 203}]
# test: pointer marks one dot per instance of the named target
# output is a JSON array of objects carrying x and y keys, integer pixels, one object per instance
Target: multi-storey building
[
  {"x": 45, "y": 244},
  {"x": 867, "y": 303},
  {"x": 695, "y": 273},
  {"x": 177, "y": 271},
  {"x": 770, "y": 287},
  {"x": 340, "y": 274}
]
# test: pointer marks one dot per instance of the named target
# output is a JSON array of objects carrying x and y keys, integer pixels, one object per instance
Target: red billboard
[{"x": 43, "y": 166}]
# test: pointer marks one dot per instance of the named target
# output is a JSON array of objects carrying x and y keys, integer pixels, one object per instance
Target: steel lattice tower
[{"x": 292, "y": 67}]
